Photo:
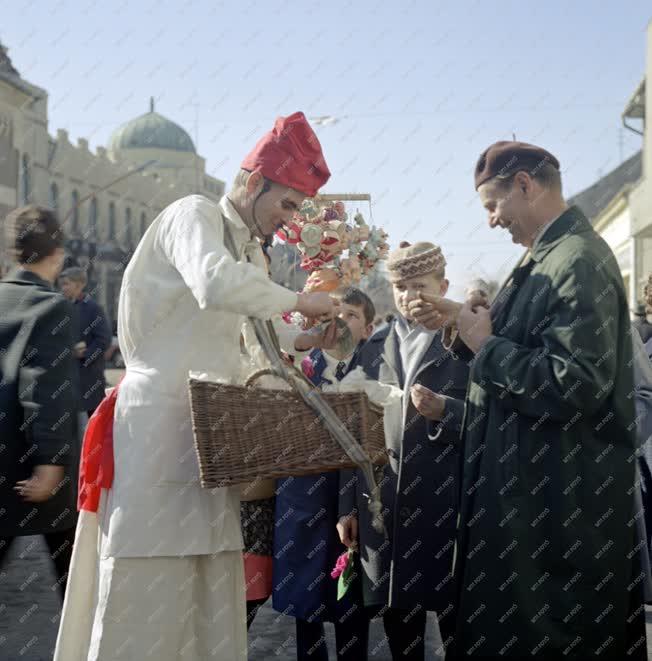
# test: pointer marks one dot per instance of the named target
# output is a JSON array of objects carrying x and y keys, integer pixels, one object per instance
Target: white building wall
[{"x": 73, "y": 167}]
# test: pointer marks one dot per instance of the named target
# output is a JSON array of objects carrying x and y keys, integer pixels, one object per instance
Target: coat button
[{"x": 405, "y": 513}]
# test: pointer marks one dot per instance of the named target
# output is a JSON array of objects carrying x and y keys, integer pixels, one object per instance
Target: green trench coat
[{"x": 546, "y": 536}]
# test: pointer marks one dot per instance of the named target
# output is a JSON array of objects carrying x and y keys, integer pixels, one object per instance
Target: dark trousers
[
  {"x": 351, "y": 638},
  {"x": 60, "y": 546},
  {"x": 406, "y": 632},
  {"x": 252, "y": 608}
]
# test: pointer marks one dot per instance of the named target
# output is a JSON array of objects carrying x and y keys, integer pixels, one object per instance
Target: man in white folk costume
[{"x": 158, "y": 572}]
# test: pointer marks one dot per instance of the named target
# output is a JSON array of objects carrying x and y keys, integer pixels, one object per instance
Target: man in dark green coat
[{"x": 545, "y": 553}]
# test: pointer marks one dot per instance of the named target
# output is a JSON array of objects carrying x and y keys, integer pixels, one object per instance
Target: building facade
[
  {"x": 105, "y": 199},
  {"x": 620, "y": 204},
  {"x": 638, "y": 117}
]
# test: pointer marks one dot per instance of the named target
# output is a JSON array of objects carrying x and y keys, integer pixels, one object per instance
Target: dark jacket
[
  {"x": 94, "y": 330},
  {"x": 419, "y": 486},
  {"x": 306, "y": 542},
  {"x": 37, "y": 411},
  {"x": 545, "y": 550}
]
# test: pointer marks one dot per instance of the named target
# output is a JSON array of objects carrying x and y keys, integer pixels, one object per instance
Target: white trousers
[{"x": 162, "y": 608}]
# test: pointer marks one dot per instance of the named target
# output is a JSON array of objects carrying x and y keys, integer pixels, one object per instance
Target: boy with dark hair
[{"x": 306, "y": 544}]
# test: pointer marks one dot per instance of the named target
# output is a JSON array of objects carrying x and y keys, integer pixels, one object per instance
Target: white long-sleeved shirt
[{"x": 182, "y": 306}]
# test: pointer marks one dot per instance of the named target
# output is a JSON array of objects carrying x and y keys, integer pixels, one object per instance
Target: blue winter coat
[
  {"x": 306, "y": 542},
  {"x": 94, "y": 330}
]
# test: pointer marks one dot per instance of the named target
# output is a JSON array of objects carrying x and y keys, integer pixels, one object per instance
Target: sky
[{"x": 419, "y": 89}]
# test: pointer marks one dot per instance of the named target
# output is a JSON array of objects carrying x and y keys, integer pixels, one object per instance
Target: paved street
[{"x": 29, "y": 615}]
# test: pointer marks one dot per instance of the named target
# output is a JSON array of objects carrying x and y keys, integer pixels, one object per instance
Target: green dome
[{"x": 151, "y": 131}]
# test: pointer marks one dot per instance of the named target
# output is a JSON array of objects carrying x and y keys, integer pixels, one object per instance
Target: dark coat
[
  {"x": 37, "y": 411},
  {"x": 306, "y": 542},
  {"x": 644, "y": 418},
  {"x": 545, "y": 551},
  {"x": 419, "y": 487},
  {"x": 94, "y": 330}
]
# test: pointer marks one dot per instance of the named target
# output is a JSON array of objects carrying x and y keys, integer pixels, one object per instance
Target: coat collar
[
  {"x": 20, "y": 276},
  {"x": 572, "y": 221},
  {"x": 391, "y": 351},
  {"x": 435, "y": 351}
]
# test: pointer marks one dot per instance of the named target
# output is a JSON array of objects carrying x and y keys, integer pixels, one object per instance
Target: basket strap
[{"x": 312, "y": 397}]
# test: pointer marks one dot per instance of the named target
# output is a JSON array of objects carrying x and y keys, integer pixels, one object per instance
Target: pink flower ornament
[{"x": 340, "y": 565}]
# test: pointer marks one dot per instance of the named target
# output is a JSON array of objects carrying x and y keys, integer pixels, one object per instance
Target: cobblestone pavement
[{"x": 29, "y": 615}]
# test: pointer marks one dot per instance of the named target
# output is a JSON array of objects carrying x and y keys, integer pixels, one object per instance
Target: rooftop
[{"x": 594, "y": 199}]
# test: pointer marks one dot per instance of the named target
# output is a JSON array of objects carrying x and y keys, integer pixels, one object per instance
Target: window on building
[
  {"x": 54, "y": 197},
  {"x": 128, "y": 229},
  {"x": 25, "y": 180},
  {"x": 111, "y": 221},
  {"x": 92, "y": 218},
  {"x": 143, "y": 224},
  {"x": 74, "y": 201}
]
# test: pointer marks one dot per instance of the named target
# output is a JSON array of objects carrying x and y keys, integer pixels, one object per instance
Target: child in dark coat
[{"x": 408, "y": 572}]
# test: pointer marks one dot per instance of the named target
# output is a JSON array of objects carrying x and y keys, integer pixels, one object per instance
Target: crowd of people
[{"x": 514, "y": 497}]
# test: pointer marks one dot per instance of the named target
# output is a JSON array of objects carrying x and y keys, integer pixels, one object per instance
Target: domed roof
[{"x": 151, "y": 131}]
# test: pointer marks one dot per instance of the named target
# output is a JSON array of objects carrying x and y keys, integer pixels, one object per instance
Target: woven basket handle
[{"x": 260, "y": 373}]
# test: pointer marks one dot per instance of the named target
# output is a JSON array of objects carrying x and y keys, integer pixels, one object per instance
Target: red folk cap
[
  {"x": 290, "y": 154},
  {"x": 507, "y": 157}
]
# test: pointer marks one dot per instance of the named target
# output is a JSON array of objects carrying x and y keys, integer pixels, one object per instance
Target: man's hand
[
  {"x": 474, "y": 326},
  {"x": 347, "y": 527},
  {"x": 316, "y": 304},
  {"x": 80, "y": 349},
  {"x": 428, "y": 403},
  {"x": 477, "y": 298},
  {"x": 326, "y": 340},
  {"x": 433, "y": 312},
  {"x": 43, "y": 484}
]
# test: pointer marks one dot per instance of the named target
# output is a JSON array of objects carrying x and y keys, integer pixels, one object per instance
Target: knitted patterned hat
[{"x": 409, "y": 261}]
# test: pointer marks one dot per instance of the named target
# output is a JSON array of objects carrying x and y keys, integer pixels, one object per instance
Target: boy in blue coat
[{"x": 306, "y": 543}]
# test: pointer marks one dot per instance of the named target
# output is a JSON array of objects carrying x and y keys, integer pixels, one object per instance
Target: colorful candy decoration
[{"x": 323, "y": 234}]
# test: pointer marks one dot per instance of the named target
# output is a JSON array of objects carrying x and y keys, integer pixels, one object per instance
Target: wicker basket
[{"x": 244, "y": 433}]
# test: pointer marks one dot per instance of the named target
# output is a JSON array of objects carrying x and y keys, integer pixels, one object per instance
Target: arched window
[
  {"x": 128, "y": 228},
  {"x": 74, "y": 200},
  {"x": 143, "y": 224},
  {"x": 54, "y": 197},
  {"x": 25, "y": 180},
  {"x": 111, "y": 221},
  {"x": 92, "y": 217}
]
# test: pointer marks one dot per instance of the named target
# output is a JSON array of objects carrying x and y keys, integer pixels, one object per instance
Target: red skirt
[{"x": 257, "y": 520}]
